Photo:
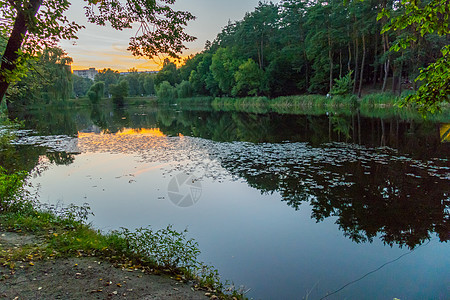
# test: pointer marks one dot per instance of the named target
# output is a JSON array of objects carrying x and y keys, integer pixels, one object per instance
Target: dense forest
[
  {"x": 289, "y": 48},
  {"x": 298, "y": 47}
]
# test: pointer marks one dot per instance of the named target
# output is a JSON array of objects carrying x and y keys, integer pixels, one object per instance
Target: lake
[{"x": 323, "y": 205}]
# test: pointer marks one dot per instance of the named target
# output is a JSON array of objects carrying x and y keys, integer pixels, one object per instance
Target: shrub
[
  {"x": 95, "y": 92},
  {"x": 119, "y": 92},
  {"x": 165, "y": 247},
  {"x": 343, "y": 85},
  {"x": 184, "y": 89},
  {"x": 165, "y": 91},
  {"x": 11, "y": 188}
]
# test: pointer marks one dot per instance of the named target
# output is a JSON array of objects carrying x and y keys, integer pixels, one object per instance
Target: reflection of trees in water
[
  {"x": 376, "y": 196},
  {"x": 420, "y": 139},
  {"x": 398, "y": 201}
]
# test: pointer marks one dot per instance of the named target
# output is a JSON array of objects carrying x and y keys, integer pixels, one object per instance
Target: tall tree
[
  {"x": 169, "y": 73},
  {"x": 108, "y": 77},
  {"x": 426, "y": 17},
  {"x": 49, "y": 79}
]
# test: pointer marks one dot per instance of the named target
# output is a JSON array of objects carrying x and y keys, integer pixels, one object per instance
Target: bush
[
  {"x": 165, "y": 91},
  {"x": 11, "y": 188},
  {"x": 95, "y": 93},
  {"x": 119, "y": 92},
  {"x": 343, "y": 85},
  {"x": 165, "y": 247},
  {"x": 184, "y": 89}
]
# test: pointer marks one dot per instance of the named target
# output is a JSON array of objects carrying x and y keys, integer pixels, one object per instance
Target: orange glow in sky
[{"x": 103, "y": 47}]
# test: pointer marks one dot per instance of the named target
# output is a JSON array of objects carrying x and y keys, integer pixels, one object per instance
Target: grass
[
  {"x": 64, "y": 232},
  {"x": 284, "y": 104},
  {"x": 379, "y": 100}
]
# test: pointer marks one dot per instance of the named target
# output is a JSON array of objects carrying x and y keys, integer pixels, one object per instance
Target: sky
[{"x": 103, "y": 47}]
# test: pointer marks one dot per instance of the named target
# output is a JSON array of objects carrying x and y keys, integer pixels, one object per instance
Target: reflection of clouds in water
[{"x": 220, "y": 161}]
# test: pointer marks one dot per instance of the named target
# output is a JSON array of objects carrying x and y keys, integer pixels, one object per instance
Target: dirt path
[{"x": 82, "y": 278}]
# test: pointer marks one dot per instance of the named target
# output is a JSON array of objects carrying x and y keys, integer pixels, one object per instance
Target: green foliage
[
  {"x": 165, "y": 247},
  {"x": 162, "y": 27},
  {"x": 184, "y": 89},
  {"x": 108, "y": 77},
  {"x": 223, "y": 67},
  {"x": 378, "y": 100},
  {"x": 436, "y": 88},
  {"x": 48, "y": 79},
  {"x": 343, "y": 85},
  {"x": 119, "y": 92},
  {"x": 39, "y": 24},
  {"x": 165, "y": 91},
  {"x": 249, "y": 79},
  {"x": 81, "y": 85},
  {"x": 43, "y": 28},
  {"x": 96, "y": 92},
  {"x": 424, "y": 18},
  {"x": 11, "y": 187},
  {"x": 169, "y": 73},
  {"x": 149, "y": 84}
]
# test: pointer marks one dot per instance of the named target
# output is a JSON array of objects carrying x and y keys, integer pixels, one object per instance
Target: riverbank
[
  {"x": 43, "y": 247},
  {"x": 371, "y": 104},
  {"x": 26, "y": 274}
]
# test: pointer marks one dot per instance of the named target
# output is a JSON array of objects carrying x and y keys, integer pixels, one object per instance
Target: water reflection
[{"x": 380, "y": 177}]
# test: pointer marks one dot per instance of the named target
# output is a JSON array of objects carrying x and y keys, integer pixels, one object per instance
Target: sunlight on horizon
[{"x": 102, "y": 47}]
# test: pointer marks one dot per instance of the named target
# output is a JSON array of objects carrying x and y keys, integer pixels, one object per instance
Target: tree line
[
  {"x": 299, "y": 47},
  {"x": 293, "y": 47}
]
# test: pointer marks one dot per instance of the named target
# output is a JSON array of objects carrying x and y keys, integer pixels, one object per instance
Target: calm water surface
[{"x": 289, "y": 206}]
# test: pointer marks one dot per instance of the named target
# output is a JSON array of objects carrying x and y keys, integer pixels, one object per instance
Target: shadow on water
[{"x": 383, "y": 177}]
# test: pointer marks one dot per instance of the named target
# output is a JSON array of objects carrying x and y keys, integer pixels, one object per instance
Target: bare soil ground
[{"x": 82, "y": 278}]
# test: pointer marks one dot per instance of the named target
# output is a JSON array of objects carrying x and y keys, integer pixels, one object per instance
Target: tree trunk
[
  {"x": 349, "y": 68},
  {"x": 394, "y": 80},
  {"x": 261, "y": 66},
  {"x": 386, "y": 71},
  {"x": 340, "y": 63},
  {"x": 306, "y": 69},
  {"x": 330, "y": 56},
  {"x": 259, "y": 55},
  {"x": 15, "y": 41},
  {"x": 400, "y": 78},
  {"x": 356, "y": 64},
  {"x": 361, "y": 77},
  {"x": 375, "y": 62}
]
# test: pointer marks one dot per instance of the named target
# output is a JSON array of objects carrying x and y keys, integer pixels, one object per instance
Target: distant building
[
  {"x": 139, "y": 72},
  {"x": 90, "y": 73}
]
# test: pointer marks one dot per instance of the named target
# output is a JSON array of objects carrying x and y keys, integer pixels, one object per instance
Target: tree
[
  {"x": 96, "y": 92},
  {"x": 149, "y": 84},
  {"x": 108, "y": 77},
  {"x": 248, "y": 79},
  {"x": 119, "y": 92},
  {"x": 32, "y": 25},
  {"x": 184, "y": 89},
  {"x": 81, "y": 85},
  {"x": 428, "y": 17},
  {"x": 169, "y": 73},
  {"x": 49, "y": 79},
  {"x": 165, "y": 91},
  {"x": 223, "y": 66},
  {"x": 134, "y": 88}
]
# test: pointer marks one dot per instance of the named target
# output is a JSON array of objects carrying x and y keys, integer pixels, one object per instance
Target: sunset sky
[{"x": 103, "y": 47}]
